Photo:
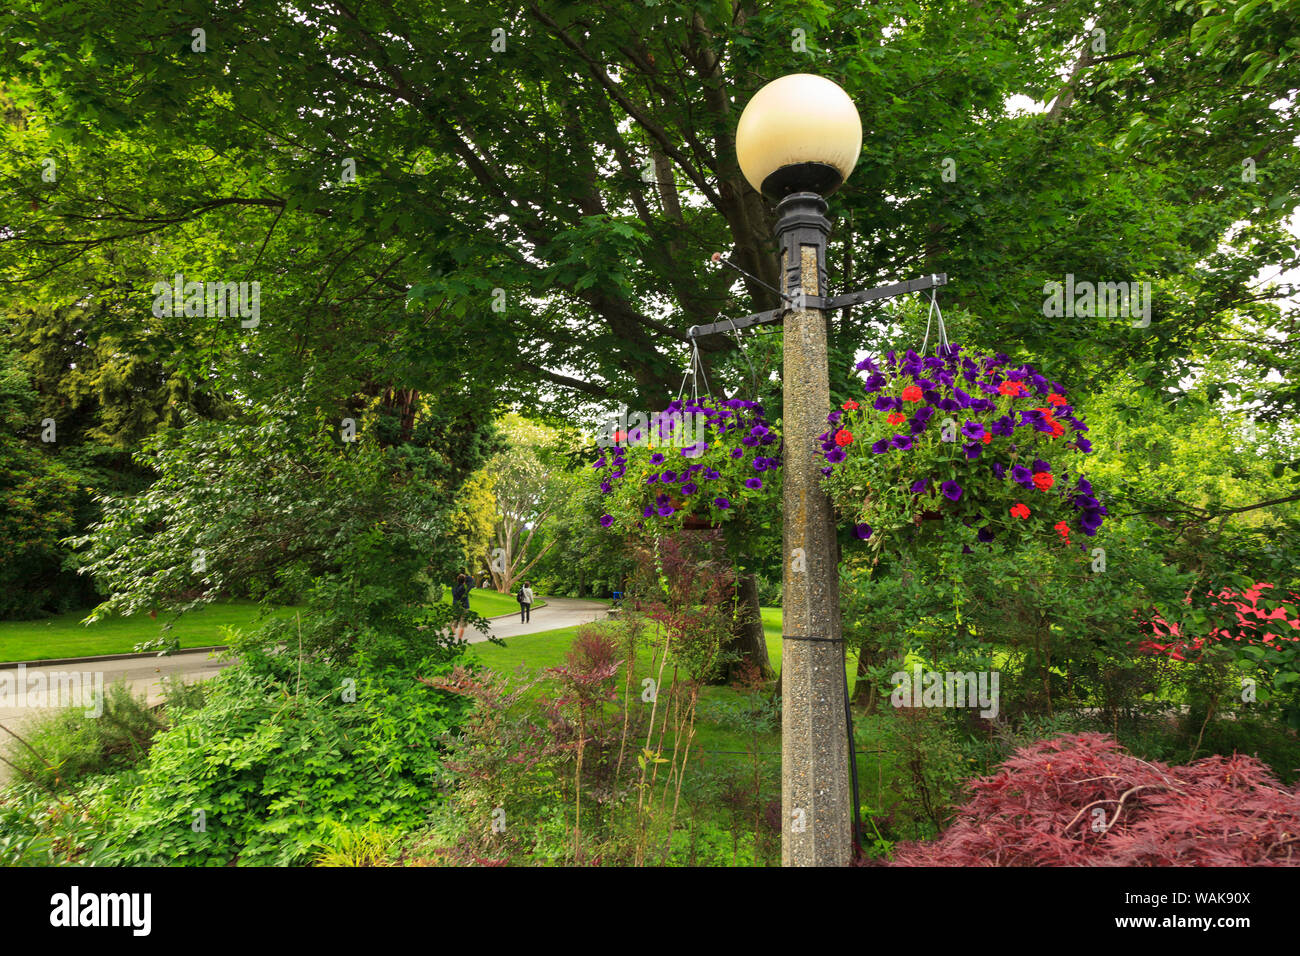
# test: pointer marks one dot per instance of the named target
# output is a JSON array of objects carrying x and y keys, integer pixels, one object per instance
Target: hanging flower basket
[
  {"x": 964, "y": 438},
  {"x": 695, "y": 465}
]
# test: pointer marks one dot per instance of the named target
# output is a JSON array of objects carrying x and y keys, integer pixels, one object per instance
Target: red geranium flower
[
  {"x": 1055, "y": 399},
  {"x": 1062, "y": 529},
  {"x": 1019, "y": 511},
  {"x": 850, "y": 405},
  {"x": 988, "y": 437},
  {"x": 912, "y": 393},
  {"x": 843, "y": 438},
  {"x": 1011, "y": 388},
  {"x": 1043, "y": 481},
  {"x": 896, "y": 418}
]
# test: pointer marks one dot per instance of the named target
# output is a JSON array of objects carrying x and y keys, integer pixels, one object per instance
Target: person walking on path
[
  {"x": 525, "y": 602},
  {"x": 460, "y": 604}
]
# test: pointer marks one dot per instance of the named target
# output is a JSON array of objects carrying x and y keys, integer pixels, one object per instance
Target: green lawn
[
  {"x": 65, "y": 636},
  {"x": 548, "y": 648}
]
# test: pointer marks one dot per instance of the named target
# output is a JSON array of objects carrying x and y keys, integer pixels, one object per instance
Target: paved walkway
[{"x": 558, "y": 613}]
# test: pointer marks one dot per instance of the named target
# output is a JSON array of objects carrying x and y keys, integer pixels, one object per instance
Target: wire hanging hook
[{"x": 933, "y": 313}]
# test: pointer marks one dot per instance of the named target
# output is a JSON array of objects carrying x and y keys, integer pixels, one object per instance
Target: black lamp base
[{"x": 802, "y": 178}]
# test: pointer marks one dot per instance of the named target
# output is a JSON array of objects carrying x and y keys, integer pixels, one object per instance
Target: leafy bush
[
  {"x": 269, "y": 505},
  {"x": 1082, "y": 801},
  {"x": 280, "y": 753},
  {"x": 62, "y": 747},
  {"x": 39, "y": 829}
]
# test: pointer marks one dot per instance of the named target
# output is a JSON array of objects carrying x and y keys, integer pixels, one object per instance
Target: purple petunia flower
[
  {"x": 902, "y": 442},
  {"x": 921, "y": 486},
  {"x": 666, "y": 510},
  {"x": 754, "y": 483},
  {"x": 1022, "y": 475},
  {"x": 973, "y": 430},
  {"x": 862, "y": 530},
  {"x": 722, "y": 503},
  {"x": 999, "y": 469},
  {"x": 972, "y": 450},
  {"x": 648, "y": 510},
  {"x": 1083, "y": 445},
  {"x": 605, "y": 487},
  {"x": 1040, "y": 465},
  {"x": 651, "y": 479},
  {"x": 760, "y": 463},
  {"x": 656, "y": 459},
  {"x": 951, "y": 490},
  {"x": 606, "y": 520},
  {"x": 737, "y": 453},
  {"x": 881, "y": 446},
  {"x": 836, "y": 455},
  {"x": 984, "y": 534},
  {"x": 670, "y": 476},
  {"x": 689, "y": 488}
]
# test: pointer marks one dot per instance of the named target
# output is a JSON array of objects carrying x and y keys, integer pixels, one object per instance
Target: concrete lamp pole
[{"x": 797, "y": 141}]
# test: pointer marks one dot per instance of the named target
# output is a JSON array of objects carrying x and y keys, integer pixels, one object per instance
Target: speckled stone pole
[{"x": 815, "y": 798}]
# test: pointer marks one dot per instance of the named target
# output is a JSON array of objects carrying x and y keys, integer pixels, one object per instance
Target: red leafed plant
[
  {"x": 1081, "y": 800},
  {"x": 1252, "y": 626}
]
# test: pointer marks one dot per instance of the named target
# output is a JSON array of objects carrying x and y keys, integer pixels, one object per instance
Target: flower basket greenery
[
  {"x": 694, "y": 465},
  {"x": 963, "y": 438}
]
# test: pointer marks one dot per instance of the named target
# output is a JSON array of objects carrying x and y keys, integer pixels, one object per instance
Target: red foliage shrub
[
  {"x": 1252, "y": 626},
  {"x": 1081, "y": 800}
]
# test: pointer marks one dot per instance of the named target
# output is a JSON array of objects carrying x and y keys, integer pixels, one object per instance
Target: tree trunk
[{"x": 747, "y": 639}]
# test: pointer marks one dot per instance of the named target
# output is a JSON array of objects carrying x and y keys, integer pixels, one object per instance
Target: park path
[
  {"x": 144, "y": 674},
  {"x": 559, "y": 612}
]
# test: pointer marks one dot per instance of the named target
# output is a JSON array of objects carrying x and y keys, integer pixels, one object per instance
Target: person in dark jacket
[
  {"x": 525, "y": 602},
  {"x": 460, "y": 603}
]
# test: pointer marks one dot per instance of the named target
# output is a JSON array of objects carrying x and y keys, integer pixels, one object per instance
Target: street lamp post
[{"x": 797, "y": 141}]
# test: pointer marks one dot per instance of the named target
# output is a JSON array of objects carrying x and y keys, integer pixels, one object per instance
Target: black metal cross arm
[{"x": 817, "y": 302}]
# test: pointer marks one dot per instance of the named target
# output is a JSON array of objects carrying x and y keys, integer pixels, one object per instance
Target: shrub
[
  {"x": 40, "y": 829},
  {"x": 61, "y": 747},
  {"x": 282, "y": 752},
  {"x": 1080, "y": 800}
]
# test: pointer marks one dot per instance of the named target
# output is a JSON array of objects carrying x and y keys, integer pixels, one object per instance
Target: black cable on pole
[{"x": 853, "y": 770}]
